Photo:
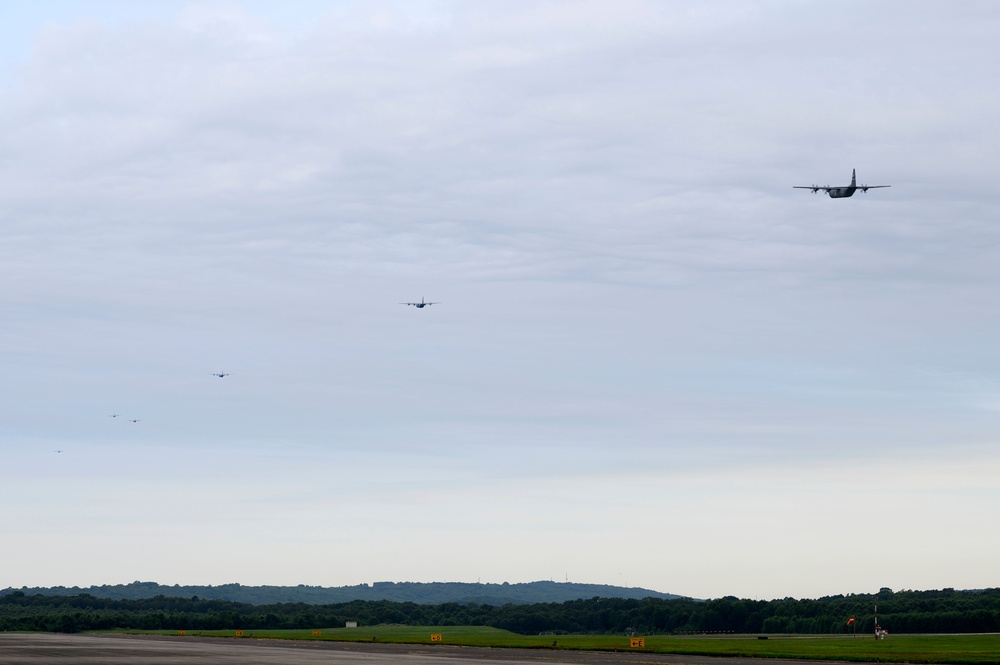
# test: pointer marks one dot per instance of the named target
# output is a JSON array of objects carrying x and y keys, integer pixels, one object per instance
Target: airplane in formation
[
  {"x": 221, "y": 375},
  {"x": 421, "y": 304},
  {"x": 841, "y": 192}
]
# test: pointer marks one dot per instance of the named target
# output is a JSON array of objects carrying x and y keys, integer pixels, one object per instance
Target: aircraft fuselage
[{"x": 842, "y": 192}]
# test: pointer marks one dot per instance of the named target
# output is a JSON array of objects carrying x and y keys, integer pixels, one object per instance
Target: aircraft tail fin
[{"x": 854, "y": 178}]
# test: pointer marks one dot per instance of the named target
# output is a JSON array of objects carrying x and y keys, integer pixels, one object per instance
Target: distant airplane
[
  {"x": 113, "y": 415},
  {"x": 421, "y": 304},
  {"x": 133, "y": 420},
  {"x": 842, "y": 192},
  {"x": 221, "y": 375},
  {"x": 58, "y": 451}
]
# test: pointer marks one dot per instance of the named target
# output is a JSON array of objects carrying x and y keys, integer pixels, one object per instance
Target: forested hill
[{"x": 430, "y": 593}]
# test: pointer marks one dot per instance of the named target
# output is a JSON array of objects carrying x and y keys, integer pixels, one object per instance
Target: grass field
[{"x": 895, "y": 648}]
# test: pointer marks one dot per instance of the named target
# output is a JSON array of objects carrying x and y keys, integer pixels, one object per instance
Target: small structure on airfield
[{"x": 880, "y": 632}]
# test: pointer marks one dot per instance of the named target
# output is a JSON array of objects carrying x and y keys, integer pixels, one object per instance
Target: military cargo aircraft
[
  {"x": 421, "y": 304},
  {"x": 841, "y": 192}
]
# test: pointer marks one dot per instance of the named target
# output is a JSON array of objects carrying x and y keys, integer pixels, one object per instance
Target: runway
[{"x": 54, "y": 649}]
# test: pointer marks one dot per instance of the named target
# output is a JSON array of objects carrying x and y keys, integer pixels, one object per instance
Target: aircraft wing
[{"x": 815, "y": 188}]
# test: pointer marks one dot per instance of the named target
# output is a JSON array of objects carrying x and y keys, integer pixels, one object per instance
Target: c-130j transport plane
[
  {"x": 842, "y": 192},
  {"x": 421, "y": 304}
]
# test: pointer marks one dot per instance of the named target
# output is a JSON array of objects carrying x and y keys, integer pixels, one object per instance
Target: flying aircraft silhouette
[
  {"x": 133, "y": 420},
  {"x": 841, "y": 192},
  {"x": 221, "y": 375},
  {"x": 421, "y": 304}
]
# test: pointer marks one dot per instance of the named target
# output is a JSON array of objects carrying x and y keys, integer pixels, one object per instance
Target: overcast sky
[{"x": 653, "y": 364}]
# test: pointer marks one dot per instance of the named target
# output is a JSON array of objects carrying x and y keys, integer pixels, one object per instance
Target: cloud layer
[{"x": 649, "y": 346}]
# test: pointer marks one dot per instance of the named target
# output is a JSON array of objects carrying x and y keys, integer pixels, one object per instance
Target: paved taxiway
[{"x": 51, "y": 649}]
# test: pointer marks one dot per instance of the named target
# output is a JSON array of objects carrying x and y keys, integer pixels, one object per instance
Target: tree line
[{"x": 942, "y": 611}]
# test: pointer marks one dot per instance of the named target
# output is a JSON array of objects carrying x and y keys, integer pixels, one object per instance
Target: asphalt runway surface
[{"x": 53, "y": 649}]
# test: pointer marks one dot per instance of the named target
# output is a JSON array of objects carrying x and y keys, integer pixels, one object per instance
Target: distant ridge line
[{"x": 422, "y": 593}]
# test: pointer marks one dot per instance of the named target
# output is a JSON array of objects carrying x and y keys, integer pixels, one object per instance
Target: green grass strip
[{"x": 957, "y": 649}]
